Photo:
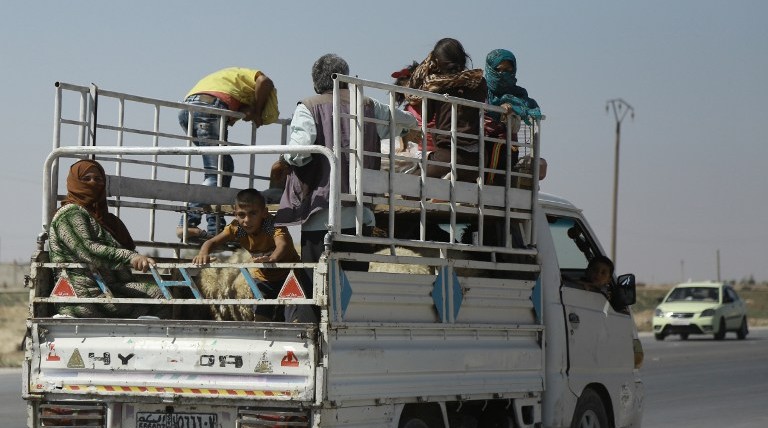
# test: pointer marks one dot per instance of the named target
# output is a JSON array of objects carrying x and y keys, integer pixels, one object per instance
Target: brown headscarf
[
  {"x": 92, "y": 196},
  {"x": 427, "y": 77}
]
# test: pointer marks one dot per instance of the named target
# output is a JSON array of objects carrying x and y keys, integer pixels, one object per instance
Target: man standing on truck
[
  {"x": 246, "y": 90},
  {"x": 305, "y": 199}
]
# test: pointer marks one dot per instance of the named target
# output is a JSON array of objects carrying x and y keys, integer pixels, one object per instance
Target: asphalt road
[
  {"x": 703, "y": 383},
  {"x": 13, "y": 410},
  {"x": 699, "y": 383}
]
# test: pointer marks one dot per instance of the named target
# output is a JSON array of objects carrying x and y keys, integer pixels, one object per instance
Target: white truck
[{"x": 472, "y": 327}]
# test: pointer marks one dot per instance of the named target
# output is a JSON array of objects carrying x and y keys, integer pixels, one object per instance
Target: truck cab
[{"x": 598, "y": 334}]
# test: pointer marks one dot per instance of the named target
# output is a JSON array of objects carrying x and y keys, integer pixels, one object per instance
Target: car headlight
[
  {"x": 658, "y": 313},
  {"x": 707, "y": 313}
]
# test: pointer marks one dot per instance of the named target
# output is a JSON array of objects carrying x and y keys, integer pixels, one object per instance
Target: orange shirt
[{"x": 263, "y": 242}]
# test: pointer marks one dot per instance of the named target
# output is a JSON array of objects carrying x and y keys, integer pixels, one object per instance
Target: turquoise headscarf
[{"x": 503, "y": 89}]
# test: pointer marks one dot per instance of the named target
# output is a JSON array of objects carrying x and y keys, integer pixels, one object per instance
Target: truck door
[{"x": 599, "y": 336}]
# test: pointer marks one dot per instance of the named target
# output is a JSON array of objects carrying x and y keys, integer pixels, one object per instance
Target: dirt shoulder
[{"x": 13, "y": 315}]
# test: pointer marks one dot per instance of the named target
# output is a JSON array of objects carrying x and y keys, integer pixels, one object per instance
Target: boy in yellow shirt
[{"x": 254, "y": 229}]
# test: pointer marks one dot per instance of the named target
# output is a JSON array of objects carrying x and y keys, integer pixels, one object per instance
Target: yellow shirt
[
  {"x": 240, "y": 84},
  {"x": 263, "y": 242}
]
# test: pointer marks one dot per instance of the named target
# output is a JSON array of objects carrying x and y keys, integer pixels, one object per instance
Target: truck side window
[{"x": 573, "y": 246}]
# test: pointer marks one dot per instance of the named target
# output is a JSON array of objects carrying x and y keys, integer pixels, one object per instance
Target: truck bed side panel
[
  {"x": 398, "y": 362},
  {"x": 391, "y": 344}
]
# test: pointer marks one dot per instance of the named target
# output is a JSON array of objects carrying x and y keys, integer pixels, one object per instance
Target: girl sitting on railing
[{"x": 444, "y": 71}]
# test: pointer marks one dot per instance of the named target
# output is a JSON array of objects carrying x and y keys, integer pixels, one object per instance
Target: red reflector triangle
[
  {"x": 63, "y": 288},
  {"x": 291, "y": 288}
]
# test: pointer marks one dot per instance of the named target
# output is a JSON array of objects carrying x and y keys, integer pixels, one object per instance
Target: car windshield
[{"x": 694, "y": 294}]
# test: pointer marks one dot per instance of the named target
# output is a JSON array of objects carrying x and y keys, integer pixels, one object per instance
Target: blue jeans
[{"x": 206, "y": 125}]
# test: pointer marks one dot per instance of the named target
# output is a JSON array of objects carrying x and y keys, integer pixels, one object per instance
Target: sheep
[
  {"x": 416, "y": 268},
  {"x": 227, "y": 283}
]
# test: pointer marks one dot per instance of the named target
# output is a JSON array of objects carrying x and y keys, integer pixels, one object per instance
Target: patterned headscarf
[
  {"x": 427, "y": 78},
  {"x": 92, "y": 196},
  {"x": 503, "y": 89}
]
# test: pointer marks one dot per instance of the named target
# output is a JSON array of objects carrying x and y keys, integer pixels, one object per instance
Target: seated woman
[
  {"x": 500, "y": 74},
  {"x": 84, "y": 231},
  {"x": 444, "y": 71}
]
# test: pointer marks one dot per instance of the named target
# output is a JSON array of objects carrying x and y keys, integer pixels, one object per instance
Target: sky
[{"x": 693, "y": 176}]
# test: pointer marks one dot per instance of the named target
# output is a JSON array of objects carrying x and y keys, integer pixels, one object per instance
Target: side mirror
[{"x": 624, "y": 293}]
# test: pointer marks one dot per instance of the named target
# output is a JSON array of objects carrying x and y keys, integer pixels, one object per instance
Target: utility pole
[
  {"x": 718, "y": 264},
  {"x": 620, "y": 109},
  {"x": 682, "y": 270}
]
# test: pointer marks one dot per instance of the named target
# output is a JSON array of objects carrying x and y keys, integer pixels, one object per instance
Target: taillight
[
  {"x": 272, "y": 418},
  {"x": 78, "y": 414}
]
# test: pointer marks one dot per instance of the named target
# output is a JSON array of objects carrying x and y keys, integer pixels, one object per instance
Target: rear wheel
[
  {"x": 496, "y": 419},
  {"x": 414, "y": 423},
  {"x": 420, "y": 417},
  {"x": 743, "y": 330},
  {"x": 590, "y": 412},
  {"x": 720, "y": 335}
]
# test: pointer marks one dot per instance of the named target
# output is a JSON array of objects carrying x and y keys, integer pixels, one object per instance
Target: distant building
[{"x": 12, "y": 275}]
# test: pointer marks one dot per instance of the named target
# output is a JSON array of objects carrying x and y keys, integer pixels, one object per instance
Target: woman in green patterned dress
[{"x": 84, "y": 231}]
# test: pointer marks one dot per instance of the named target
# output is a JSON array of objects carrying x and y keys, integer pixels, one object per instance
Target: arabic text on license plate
[
  {"x": 175, "y": 420},
  {"x": 680, "y": 322}
]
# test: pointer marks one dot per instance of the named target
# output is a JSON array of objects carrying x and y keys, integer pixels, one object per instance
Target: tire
[
  {"x": 590, "y": 412},
  {"x": 659, "y": 336},
  {"x": 414, "y": 422},
  {"x": 496, "y": 419},
  {"x": 419, "y": 418},
  {"x": 720, "y": 335},
  {"x": 743, "y": 330},
  {"x": 683, "y": 336}
]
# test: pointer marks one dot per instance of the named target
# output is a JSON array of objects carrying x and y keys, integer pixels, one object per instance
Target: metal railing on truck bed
[
  {"x": 464, "y": 324},
  {"x": 512, "y": 201},
  {"x": 488, "y": 229}
]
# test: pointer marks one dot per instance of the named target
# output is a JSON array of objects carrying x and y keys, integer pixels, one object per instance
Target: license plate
[
  {"x": 680, "y": 322},
  {"x": 175, "y": 420}
]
